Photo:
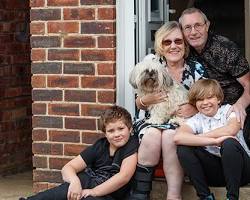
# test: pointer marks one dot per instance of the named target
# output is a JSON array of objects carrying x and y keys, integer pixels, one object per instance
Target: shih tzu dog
[{"x": 151, "y": 76}]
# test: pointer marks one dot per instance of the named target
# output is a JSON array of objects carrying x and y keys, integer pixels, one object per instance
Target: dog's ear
[
  {"x": 167, "y": 80},
  {"x": 133, "y": 76}
]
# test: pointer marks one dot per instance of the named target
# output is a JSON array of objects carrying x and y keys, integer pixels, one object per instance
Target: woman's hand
[
  {"x": 154, "y": 98},
  {"x": 75, "y": 190},
  {"x": 88, "y": 192},
  {"x": 186, "y": 110}
]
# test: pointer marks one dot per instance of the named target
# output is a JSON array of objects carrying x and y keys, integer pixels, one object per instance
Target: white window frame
[{"x": 125, "y": 53}]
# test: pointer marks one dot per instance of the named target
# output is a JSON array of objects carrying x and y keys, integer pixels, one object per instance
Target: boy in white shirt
[{"x": 211, "y": 147}]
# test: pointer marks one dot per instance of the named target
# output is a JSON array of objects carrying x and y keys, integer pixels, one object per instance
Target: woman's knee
[{"x": 150, "y": 147}]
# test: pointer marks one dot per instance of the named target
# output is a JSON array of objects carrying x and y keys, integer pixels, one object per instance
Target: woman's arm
[
  {"x": 185, "y": 136},
  {"x": 230, "y": 129},
  {"x": 120, "y": 179},
  {"x": 186, "y": 110},
  {"x": 142, "y": 102}
]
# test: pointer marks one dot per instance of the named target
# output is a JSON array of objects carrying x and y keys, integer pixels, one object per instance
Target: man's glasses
[
  {"x": 177, "y": 41},
  {"x": 197, "y": 26}
]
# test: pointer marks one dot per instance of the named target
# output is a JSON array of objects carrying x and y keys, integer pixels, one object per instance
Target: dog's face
[{"x": 149, "y": 76}]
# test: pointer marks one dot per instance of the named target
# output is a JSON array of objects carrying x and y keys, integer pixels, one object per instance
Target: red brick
[
  {"x": 92, "y": 110},
  {"x": 63, "y": 81},
  {"x": 38, "y": 54},
  {"x": 63, "y": 54},
  {"x": 98, "y": 82},
  {"x": 37, "y": 28},
  {"x": 47, "y": 122},
  {"x": 79, "y": 42},
  {"x": 80, "y": 96},
  {"x": 38, "y": 108},
  {"x": 46, "y": 95},
  {"x": 98, "y": 55},
  {"x": 106, "y": 69},
  {"x": 37, "y": 3},
  {"x": 62, "y": 2},
  {"x": 79, "y": 14},
  {"x": 38, "y": 81},
  {"x": 64, "y": 136},
  {"x": 63, "y": 27},
  {"x": 98, "y": 28},
  {"x": 106, "y": 42},
  {"x": 45, "y": 14},
  {"x": 97, "y": 2},
  {"x": 58, "y": 163},
  {"x": 47, "y": 176},
  {"x": 106, "y": 13},
  {"x": 47, "y": 148},
  {"x": 64, "y": 109},
  {"x": 40, "y": 162},
  {"x": 39, "y": 135},
  {"x": 90, "y": 138},
  {"x": 79, "y": 68},
  {"x": 73, "y": 149},
  {"x": 39, "y": 187},
  {"x": 80, "y": 123},
  {"x": 106, "y": 96}
]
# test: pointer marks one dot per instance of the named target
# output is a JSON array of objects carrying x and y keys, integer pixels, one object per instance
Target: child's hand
[
  {"x": 75, "y": 190},
  {"x": 88, "y": 192}
]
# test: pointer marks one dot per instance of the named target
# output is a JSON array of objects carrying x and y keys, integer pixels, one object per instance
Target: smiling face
[
  {"x": 173, "y": 46},
  {"x": 195, "y": 30},
  {"x": 117, "y": 133},
  {"x": 208, "y": 106}
]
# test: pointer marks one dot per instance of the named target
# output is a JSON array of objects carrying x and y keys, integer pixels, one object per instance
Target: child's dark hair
[
  {"x": 205, "y": 88},
  {"x": 113, "y": 114}
]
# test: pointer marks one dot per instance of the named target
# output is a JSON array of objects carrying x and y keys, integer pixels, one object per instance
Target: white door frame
[{"x": 125, "y": 53}]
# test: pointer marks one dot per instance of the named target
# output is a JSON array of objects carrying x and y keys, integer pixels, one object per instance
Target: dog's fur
[{"x": 151, "y": 76}]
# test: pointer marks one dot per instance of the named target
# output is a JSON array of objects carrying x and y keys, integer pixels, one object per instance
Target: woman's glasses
[{"x": 177, "y": 41}]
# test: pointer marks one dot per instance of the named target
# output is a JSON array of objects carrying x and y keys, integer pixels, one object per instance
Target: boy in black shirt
[{"x": 103, "y": 170}]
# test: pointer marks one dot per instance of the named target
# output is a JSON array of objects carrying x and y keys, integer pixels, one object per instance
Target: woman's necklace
[{"x": 175, "y": 72}]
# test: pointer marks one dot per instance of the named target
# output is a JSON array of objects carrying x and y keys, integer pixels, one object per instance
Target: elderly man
[{"x": 224, "y": 62}]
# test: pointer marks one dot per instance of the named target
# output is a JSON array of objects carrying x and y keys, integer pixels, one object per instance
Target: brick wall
[
  {"x": 15, "y": 88},
  {"x": 73, "y": 79}
]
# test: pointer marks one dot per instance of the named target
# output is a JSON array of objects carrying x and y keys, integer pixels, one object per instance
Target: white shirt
[{"x": 201, "y": 123}]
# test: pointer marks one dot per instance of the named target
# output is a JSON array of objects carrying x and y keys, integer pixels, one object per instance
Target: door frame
[{"x": 125, "y": 52}]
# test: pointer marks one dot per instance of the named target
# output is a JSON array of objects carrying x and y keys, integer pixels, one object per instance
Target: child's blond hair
[
  {"x": 113, "y": 114},
  {"x": 205, "y": 88}
]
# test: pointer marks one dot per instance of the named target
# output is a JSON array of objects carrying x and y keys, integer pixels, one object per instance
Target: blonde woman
[{"x": 171, "y": 50}]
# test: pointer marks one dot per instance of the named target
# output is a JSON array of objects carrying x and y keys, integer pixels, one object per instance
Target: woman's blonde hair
[
  {"x": 205, "y": 88},
  {"x": 165, "y": 30}
]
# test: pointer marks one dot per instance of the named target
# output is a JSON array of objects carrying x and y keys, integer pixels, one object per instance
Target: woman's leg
[
  {"x": 236, "y": 167},
  {"x": 148, "y": 157},
  {"x": 171, "y": 166}
]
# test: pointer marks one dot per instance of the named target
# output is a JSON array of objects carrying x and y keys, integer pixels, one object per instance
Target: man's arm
[{"x": 242, "y": 103}]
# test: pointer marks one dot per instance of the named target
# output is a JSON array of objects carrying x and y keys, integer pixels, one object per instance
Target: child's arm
[
  {"x": 230, "y": 129},
  {"x": 69, "y": 174},
  {"x": 186, "y": 136},
  {"x": 120, "y": 179}
]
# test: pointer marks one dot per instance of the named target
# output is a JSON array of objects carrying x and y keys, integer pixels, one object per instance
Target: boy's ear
[{"x": 130, "y": 130}]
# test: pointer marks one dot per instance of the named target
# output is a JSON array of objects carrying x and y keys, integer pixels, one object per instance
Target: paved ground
[{"x": 14, "y": 186}]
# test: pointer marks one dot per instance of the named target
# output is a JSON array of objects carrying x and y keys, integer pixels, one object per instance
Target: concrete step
[{"x": 188, "y": 193}]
